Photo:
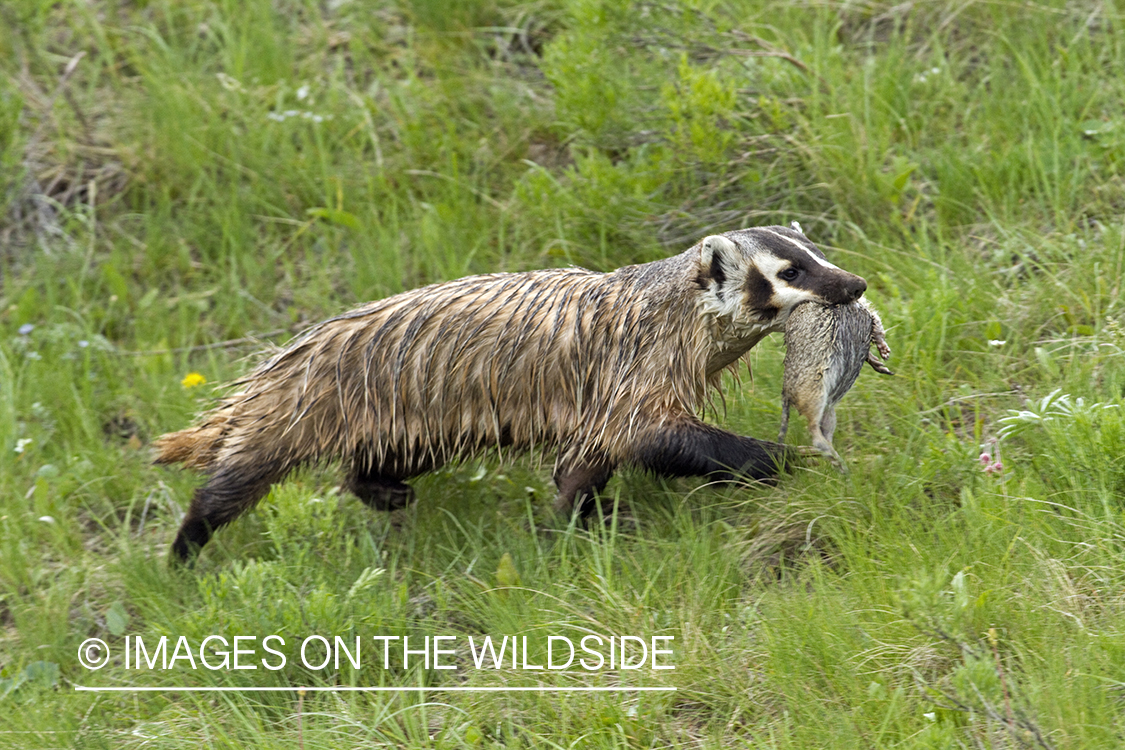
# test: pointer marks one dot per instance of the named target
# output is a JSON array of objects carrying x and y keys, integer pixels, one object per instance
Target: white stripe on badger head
[
  {"x": 784, "y": 296},
  {"x": 770, "y": 265},
  {"x": 804, "y": 249}
]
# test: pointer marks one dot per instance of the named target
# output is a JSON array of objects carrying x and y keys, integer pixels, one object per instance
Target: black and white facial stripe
[{"x": 762, "y": 273}]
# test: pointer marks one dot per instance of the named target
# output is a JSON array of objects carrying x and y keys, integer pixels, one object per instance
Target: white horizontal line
[{"x": 347, "y": 689}]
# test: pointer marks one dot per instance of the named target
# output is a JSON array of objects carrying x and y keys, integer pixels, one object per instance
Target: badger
[
  {"x": 599, "y": 369},
  {"x": 826, "y": 346}
]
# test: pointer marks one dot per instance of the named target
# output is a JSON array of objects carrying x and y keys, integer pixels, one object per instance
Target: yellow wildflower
[{"x": 193, "y": 379}]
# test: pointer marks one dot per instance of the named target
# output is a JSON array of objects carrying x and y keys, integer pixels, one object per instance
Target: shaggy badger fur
[
  {"x": 826, "y": 346},
  {"x": 602, "y": 369}
]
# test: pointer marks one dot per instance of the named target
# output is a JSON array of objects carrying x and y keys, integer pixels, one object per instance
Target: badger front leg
[
  {"x": 579, "y": 482},
  {"x": 379, "y": 492},
  {"x": 381, "y": 483},
  {"x": 692, "y": 448}
]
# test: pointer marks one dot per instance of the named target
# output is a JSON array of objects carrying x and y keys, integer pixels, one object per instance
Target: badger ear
[
  {"x": 796, "y": 227},
  {"x": 716, "y": 255}
]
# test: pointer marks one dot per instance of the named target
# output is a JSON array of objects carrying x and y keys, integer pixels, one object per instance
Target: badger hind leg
[
  {"x": 229, "y": 492},
  {"x": 579, "y": 482}
]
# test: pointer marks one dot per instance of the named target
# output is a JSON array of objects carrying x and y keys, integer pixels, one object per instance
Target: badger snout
[
  {"x": 855, "y": 287},
  {"x": 841, "y": 288}
]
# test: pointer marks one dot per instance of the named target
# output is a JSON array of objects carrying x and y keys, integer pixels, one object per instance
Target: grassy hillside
[{"x": 184, "y": 180}]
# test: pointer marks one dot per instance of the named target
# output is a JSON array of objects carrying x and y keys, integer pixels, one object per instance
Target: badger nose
[{"x": 856, "y": 287}]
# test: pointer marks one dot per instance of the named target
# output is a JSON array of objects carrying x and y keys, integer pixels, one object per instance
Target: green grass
[{"x": 212, "y": 172}]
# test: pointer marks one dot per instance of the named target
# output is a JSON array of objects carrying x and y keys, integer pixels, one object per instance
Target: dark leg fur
[
  {"x": 381, "y": 493},
  {"x": 229, "y": 493},
  {"x": 693, "y": 448},
  {"x": 380, "y": 485},
  {"x": 579, "y": 483}
]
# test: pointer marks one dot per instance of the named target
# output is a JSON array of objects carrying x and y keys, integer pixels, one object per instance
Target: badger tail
[{"x": 198, "y": 446}]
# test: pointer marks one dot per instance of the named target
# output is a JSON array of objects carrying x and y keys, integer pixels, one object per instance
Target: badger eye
[{"x": 790, "y": 273}]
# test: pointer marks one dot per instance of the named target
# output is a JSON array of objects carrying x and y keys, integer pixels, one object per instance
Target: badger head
[{"x": 753, "y": 278}]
